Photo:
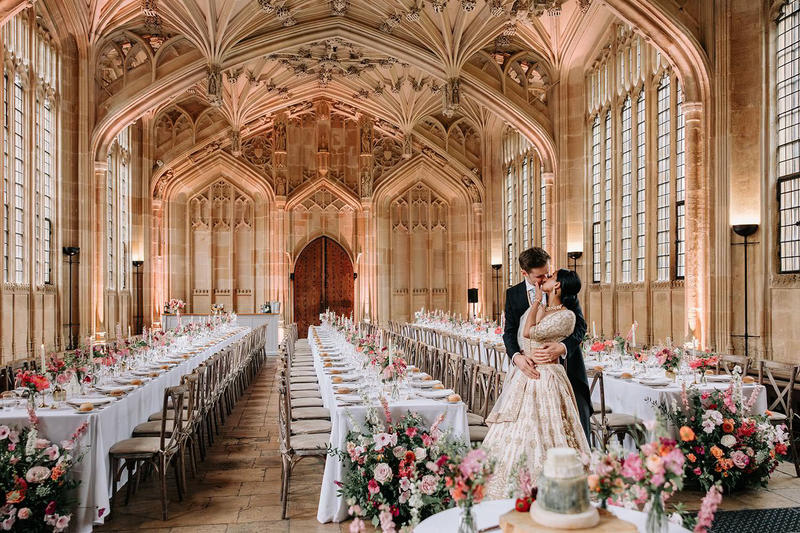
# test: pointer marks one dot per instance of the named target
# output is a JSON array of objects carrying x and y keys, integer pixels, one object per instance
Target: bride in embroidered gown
[{"x": 534, "y": 415}]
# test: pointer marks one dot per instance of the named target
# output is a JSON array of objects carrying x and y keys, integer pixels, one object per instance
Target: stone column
[
  {"x": 323, "y": 138},
  {"x": 369, "y": 259},
  {"x": 157, "y": 250},
  {"x": 98, "y": 256},
  {"x": 698, "y": 229}
]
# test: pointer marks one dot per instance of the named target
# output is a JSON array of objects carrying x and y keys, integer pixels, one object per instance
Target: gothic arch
[{"x": 301, "y": 245}]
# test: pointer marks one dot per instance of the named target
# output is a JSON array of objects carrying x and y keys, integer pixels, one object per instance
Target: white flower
[
  {"x": 382, "y": 473},
  {"x": 415, "y": 500},
  {"x": 405, "y": 484},
  {"x": 711, "y": 419},
  {"x": 420, "y": 453},
  {"x": 728, "y": 441},
  {"x": 4, "y": 431},
  {"x": 404, "y": 496}
]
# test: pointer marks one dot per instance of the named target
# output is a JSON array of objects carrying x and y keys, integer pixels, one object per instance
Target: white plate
[
  {"x": 144, "y": 373},
  {"x": 112, "y": 388},
  {"x": 655, "y": 382},
  {"x": 348, "y": 398},
  {"x": 425, "y": 384},
  {"x": 435, "y": 394},
  {"x": 718, "y": 377},
  {"x": 94, "y": 400}
]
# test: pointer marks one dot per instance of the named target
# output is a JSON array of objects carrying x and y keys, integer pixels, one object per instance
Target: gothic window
[
  {"x": 524, "y": 199},
  {"x": 618, "y": 160},
  {"x": 788, "y": 131},
  {"x": 596, "y": 246},
  {"x": 663, "y": 179},
  {"x": 626, "y": 185},
  {"x": 30, "y": 131},
  {"x": 118, "y": 211}
]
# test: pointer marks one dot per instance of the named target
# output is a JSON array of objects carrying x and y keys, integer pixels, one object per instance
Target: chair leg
[
  {"x": 114, "y": 479},
  {"x": 287, "y": 467},
  {"x": 130, "y": 466},
  {"x": 162, "y": 474}
]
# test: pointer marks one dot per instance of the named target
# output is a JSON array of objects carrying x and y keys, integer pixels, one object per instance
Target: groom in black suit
[{"x": 535, "y": 265}]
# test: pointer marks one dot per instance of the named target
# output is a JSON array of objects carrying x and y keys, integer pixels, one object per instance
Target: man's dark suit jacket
[{"x": 516, "y": 305}]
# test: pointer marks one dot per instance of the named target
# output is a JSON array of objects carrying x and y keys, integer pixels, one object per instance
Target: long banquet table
[
  {"x": 107, "y": 427},
  {"x": 331, "y": 506},
  {"x": 482, "y": 338}
]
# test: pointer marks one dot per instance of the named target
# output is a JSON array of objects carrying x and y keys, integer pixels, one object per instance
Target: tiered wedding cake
[{"x": 563, "y": 498}]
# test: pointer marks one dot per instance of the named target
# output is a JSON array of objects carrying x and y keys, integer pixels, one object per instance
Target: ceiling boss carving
[{"x": 330, "y": 58}]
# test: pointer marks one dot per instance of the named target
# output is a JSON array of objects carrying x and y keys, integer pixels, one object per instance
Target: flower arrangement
[
  {"x": 646, "y": 479},
  {"x": 395, "y": 475},
  {"x": 35, "y": 478},
  {"x": 33, "y": 382},
  {"x": 522, "y": 486},
  {"x": 723, "y": 443},
  {"x": 217, "y": 308},
  {"x": 704, "y": 361},
  {"x": 466, "y": 478},
  {"x": 174, "y": 305},
  {"x": 669, "y": 358}
]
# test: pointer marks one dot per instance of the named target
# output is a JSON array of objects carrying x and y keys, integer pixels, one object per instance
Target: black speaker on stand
[{"x": 472, "y": 298}]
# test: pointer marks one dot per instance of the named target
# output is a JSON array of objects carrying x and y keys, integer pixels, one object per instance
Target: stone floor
[{"x": 237, "y": 488}]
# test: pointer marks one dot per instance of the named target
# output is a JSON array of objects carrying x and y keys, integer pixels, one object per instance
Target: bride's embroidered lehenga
[{"x": 533, "y": 415}]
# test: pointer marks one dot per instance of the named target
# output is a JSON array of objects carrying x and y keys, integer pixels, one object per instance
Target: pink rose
[
  {"x": 428, "y": 484},
  {"x": 697, "y": 471},
  {"x": 37, "y": 474},
  {"x": 382, "y": 473},
  {"x": 740, "y": 459},
  {"x": 655, "y": 464},
  {"x": 373, "y": 487},
  {"x": 411, "y": 431},
  {"x": 632, "y": 467},
  {"x": 24, "y": 513}
]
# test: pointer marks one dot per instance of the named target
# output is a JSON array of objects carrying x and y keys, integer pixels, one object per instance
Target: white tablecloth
[
  {"x": 488, "y": 513},
  {"x": 633, "y": 398},
  {"x": 107, "y": 427},
  {"x": 331, "y": 507}
]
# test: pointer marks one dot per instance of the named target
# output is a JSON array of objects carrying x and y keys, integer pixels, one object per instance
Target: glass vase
[
  {"x": 657, "y": 520},
  {"x": 467, "y": 523},
  {"x": 31, "y": 401}
]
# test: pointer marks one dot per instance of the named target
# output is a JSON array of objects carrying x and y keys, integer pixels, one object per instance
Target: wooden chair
[
  {"x": 484, "y": 392},
  {"x": 157, "y": 452},
  {"x": 605, "y": 425},
  {"x": 294, "y": 448},
  {"x": 727, "y": 362},
  {"x": 780, "y": 380},
  {"x": 452, "y": 371}
]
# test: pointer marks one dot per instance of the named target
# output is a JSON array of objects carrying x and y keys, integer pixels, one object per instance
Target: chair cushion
[
  {"x": 300, "y": 427},
  {"x": 617, "y": 420},
  {"x": 596, "y": 408},
  {"x": 305, "y": 394},
  {"x": 305, "y": 413},
  {"x": 304, "y": 386},
  {"x": 152, "y": 429},
  {"x": 777, "y": 417},
  {"x": 474, "y": 419},
  {"x": 317, "y": 441},
  {"x": 304, "y": 379},
  {"x": 136, "y": 446},
  {"x": 478, "y": 433},
  {"x": 306, "y": 402},
  {"x": 170, "y": 414}
]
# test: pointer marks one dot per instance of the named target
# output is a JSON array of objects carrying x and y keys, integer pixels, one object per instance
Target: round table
[{"x": 487, "y": 515}]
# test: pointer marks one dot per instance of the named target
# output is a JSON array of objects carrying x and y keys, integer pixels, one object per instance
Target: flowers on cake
[
  {"x": 397, "y": 471},
  {"x": 723, "y": 442}
]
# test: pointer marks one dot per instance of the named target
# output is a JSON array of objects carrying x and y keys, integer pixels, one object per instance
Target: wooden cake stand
[{"x": 516, "y": 522}]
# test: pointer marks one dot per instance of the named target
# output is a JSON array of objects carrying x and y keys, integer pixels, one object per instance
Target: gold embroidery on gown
[{"x": 534, "y": 415}]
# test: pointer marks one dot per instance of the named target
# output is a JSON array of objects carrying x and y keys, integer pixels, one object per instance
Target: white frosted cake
[{"x": 563, "y": 498}]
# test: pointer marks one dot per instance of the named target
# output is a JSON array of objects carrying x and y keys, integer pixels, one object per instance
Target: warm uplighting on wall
[{"x": 741, "y": 218}]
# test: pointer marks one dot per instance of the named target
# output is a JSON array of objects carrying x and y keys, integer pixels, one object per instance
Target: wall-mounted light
[{"x": 574, "y": 256}]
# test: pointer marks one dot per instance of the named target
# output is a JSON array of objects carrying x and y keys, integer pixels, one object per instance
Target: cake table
[{"x": 514, "y": 522}]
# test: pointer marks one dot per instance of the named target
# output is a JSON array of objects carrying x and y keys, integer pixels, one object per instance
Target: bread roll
[
  {"x": 748, "y": 379},
  {"x": 626, "y": 375},
  {"x": 336, "y": 371},
  {"x": 710, "y": 372},
  {"x": 86, "y": 407},
  {"x": 136, "y": 382},
  {"x": 117, "y": 392},
  {"x": 344, "y": 390},
  {"x": 438, "y": 386},
  {"x": 336, "y": 379},
  {"x": 453, "y": 398}
]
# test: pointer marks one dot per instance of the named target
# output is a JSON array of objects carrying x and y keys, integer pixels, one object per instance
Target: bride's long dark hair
[{"x": 570, "y": 287}]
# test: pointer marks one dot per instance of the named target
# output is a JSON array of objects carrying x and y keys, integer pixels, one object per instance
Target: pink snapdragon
[{"x": 708, "y": 509}]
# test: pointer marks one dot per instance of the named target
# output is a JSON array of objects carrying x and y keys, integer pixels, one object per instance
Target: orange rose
[
  {"x": 716, "y": 452},
  {"x": 687, "y": 434},
  {"x": 594, "y": 482},
  {"x": 727, "y": 425},
  {"x": 691, "y": 457}
]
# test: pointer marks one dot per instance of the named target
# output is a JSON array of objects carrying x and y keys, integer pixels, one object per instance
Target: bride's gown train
[{"x": 533, "y": 415}]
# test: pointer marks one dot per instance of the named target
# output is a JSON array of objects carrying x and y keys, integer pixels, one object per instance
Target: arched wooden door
[{"x": 323, "y": 279}]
